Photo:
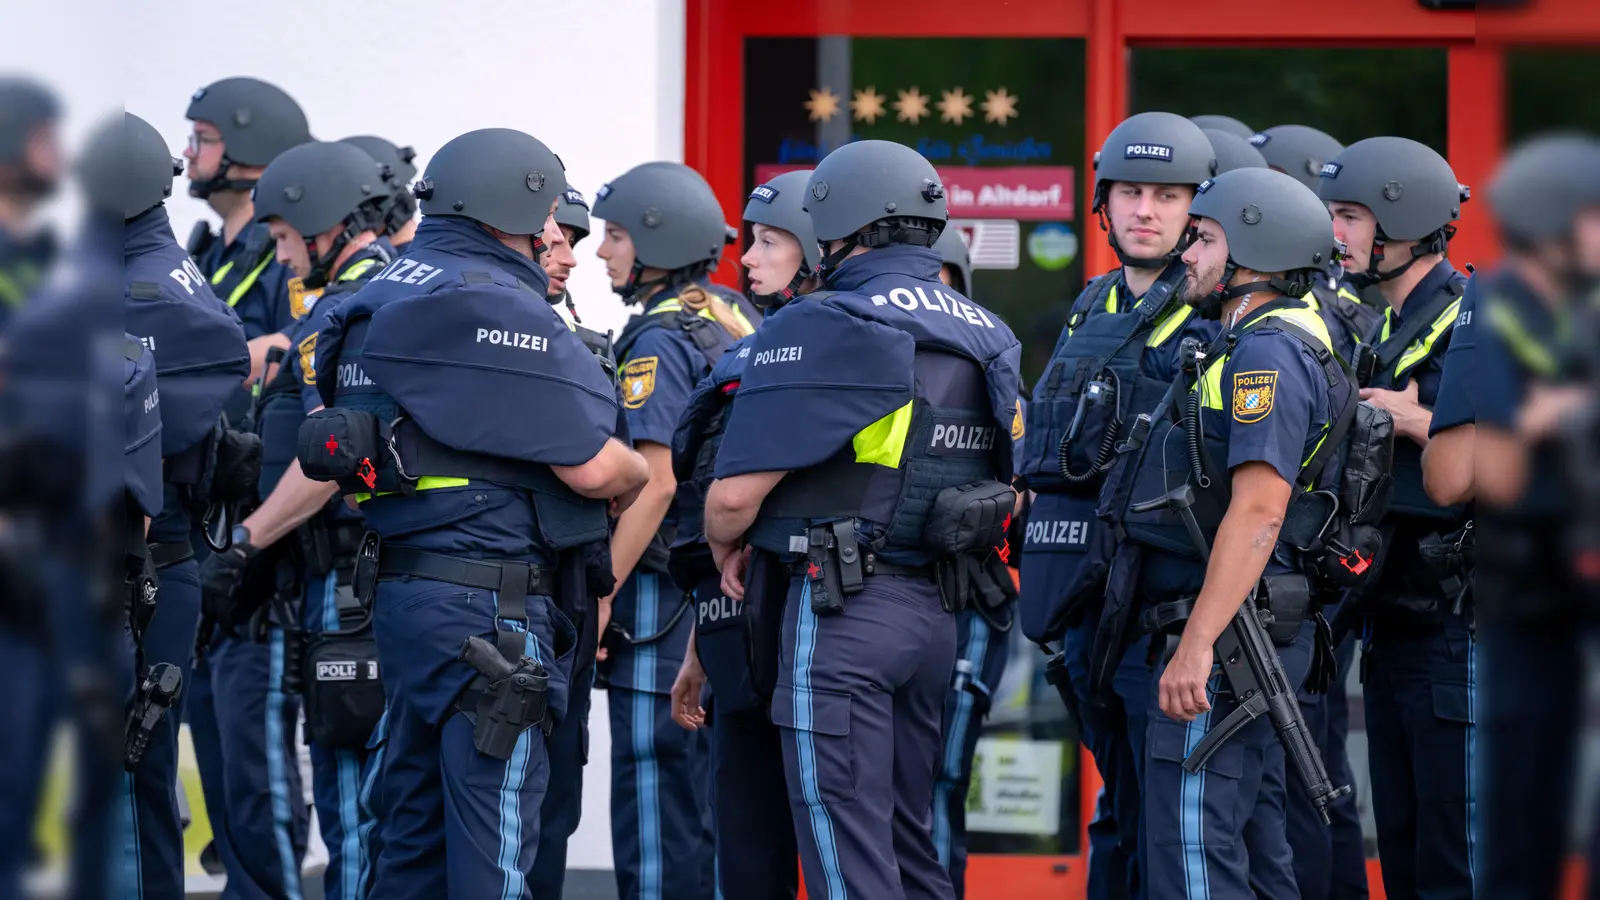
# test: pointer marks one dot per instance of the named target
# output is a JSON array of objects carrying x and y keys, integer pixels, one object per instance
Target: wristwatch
[{"x": 239, "y": 537}]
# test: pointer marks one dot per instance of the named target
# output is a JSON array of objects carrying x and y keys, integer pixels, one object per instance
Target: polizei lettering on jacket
[
  {"x": 1058, "y": 532},
  {"x": 517, "y": 339},
  {"x": 917, "y": 300},
  {"x": 962, "y": 437},
  {"x": 408, "y": 271},
  {"x": 778, "y": 355}
]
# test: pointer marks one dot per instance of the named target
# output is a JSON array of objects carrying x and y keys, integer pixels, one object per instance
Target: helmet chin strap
[
  {"x": 831, "y": 261},
  {"x": 1438, "y": 242},
  {"x": 201, "y": 189},
  {"x": 789, "y": 292},
  {"x": 1210, "y": 307}
]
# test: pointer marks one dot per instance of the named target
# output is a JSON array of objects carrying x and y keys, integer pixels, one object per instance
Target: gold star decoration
[
  {"x": 911, "y": 106},
  {"x": 998, "y": 107},
  {"x": 955, "y": 106},
  {"x": 823, "y": 105},
  {"x": 868, "y": 105}
]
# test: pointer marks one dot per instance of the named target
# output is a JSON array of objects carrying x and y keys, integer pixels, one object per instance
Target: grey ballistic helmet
[
  {"x": 25, "y": 104},
  {"x": 323, "y": 185},
  {"x": 1233, "y": 151},
  {"x": 572, "y": 210},
  {"x": 1273, "y": 223},
  {"x": 501, "y": 177},
  {"x": 882, "y": 184},
  {"x": 1542, "y": 186},
  {"x": 1150, "y": 148},
  {"x": 126, "y": 168},
  {"x": 315, "y": 186},
  {"x": 952, "y": 248},
  {"x": 401, "y": 205},
  {"x": 1226, "y": 124},
  {"x": 777, "y": 204},
  {"x": 672, "y": 217},
  {"x": 257, "y": 122},
  {"x": 1410, "y": 189},
  {"x": 1297, "y": 150}
]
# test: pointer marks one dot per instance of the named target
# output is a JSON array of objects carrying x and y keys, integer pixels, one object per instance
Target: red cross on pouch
[
  {"x": 331, "y": 444},
  {"x": 813, "y": 571}
]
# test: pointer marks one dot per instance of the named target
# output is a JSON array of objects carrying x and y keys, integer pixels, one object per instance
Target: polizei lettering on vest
[
  {"x": 408, "y": 271},
  {"x": 939, "y": 303},
  {"x": 963, "y": 437},
  {"x": 778, "y": 355},
  {"x": 517, "y": 339},
  {"x": 1058, "y": 532},
  {"x": 351, "y": 375}
]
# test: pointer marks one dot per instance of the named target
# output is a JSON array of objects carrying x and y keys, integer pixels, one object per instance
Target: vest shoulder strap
[
  {"x": 1332, "y": 367},
  {"x": 1093, "y": 297},
  {"x": 1391, "y": 349},
  {"x": 258, "y": 251}
]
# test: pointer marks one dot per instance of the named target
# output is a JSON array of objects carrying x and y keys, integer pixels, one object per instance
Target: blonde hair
[{"x": 698, "y": 298}]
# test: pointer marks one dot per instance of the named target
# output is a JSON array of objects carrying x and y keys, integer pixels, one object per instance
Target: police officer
[
  {"x": 1393, "y": 201},
  {"x": 30, "y": 168},
  {"x": 1258, "y": 410},
  {"x": 1227, "y": 124},
  {"x": 836, "y": 460},
  {"x": 1508, "y": 402},
  {"x": 1116, "y": 354},
  {"x": 289, "y": 568},
  {"x": 400, "y": 210},
  {"x": 1233, "y": 151},
  {"x": 201, "y": 359},
  {"x": 1298, "y": 151},
  {"x": 568, "y": 743},
  {"x": 241, "y": 125},
  {"x": 663, "y": 235},
  {"x": 755, "y": 849},
  {"x": 475, "y": 432}
]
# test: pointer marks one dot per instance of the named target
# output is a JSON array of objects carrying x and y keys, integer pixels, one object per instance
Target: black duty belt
[
  {"x": 169, "y": 553},
  {"x": 872, "y": 565},
  {"x": 511, "y": 578}
]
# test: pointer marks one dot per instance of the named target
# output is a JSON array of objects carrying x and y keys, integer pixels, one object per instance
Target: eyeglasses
[{"x": 196, "y": 139}]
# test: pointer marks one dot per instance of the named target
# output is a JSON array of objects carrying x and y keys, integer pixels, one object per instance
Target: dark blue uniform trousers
[
  {"x": 27, "y": 722},
  {"x": 981, "y": 652},
  {"x": 568, "y": 748},
  {"x": 1330, "y": 860},
  {"x": 662, "y": 839},
  {"x": 336, "y": 775},
  {"x": 1113, "y": 728},
  {"x": 1419, "y": 693},
  {"x": 757, "y": 857},
  {"x": 243, "y": 727},
  {"x": 455, "y": 823},
  {"x": 1219, "y": 834},
  {"x": 860, "y": 698},
  {"x": 153, "y": 851}
]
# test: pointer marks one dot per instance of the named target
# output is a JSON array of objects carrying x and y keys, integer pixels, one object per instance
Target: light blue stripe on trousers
[
  {"x": 1197, "y": 884},
  {"x": 511, "y": 794},
  {"x": 277, "y": 768},
  {"x": 805, "y": 645},
  {"x": 647, "y": 775},
  {"x": 956, "y": 741}
]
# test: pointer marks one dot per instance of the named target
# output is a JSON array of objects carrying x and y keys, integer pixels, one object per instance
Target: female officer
[
  {"x": 476, "y": 431},
  {"x": 755, "y": 848},
  {"x": 663, "y": 235}
]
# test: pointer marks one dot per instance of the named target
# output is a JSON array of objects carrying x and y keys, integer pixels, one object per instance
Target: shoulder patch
[
  {"x": 1252, "y": 395},
  {"x": 308, "y": 359},
  {"x": 300, "y": 299},
  {"x": 639, "y": 381},
  {"x": 1016, "y": 424}
]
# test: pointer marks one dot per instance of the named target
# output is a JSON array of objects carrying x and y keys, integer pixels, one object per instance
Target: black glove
[{"x": 220, "y": 577}]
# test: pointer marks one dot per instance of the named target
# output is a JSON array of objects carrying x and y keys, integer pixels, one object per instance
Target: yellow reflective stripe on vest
[
  {"x": 10, "y": 293},
  {"x": 1527, "y": 350},
  {"x": 358, "y": 270},
  {"x": 1421, "y": 347},
  {"x": 1111, "y": 299},
  {"x": 738, "y": 314},
  {"x": 1169, "y": 325},
  {"x": 883, "y": 442},
  {"x": 245, "y": 285},
  {"x": 425, "y": 483},
  {"x": 1211, "y": 385}
]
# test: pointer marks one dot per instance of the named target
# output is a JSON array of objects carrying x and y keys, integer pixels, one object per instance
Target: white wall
[{"x": 599, "y": 81}]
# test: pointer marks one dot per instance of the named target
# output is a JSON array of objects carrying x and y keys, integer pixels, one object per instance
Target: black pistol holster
[
  {"x": 158, "y": 694},
  {"x": 511, "y": 698},
  {"x": 833, "y": 565}
]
